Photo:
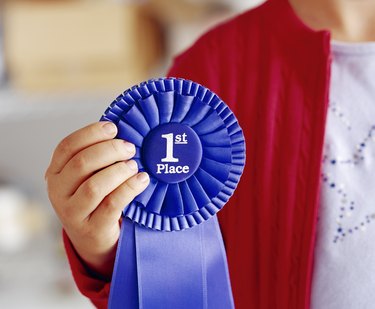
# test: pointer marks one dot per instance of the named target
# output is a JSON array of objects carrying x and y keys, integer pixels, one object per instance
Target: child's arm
[{"x": 89, "y": 180}]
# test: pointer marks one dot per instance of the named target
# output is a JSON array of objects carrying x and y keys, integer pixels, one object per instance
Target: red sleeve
[{"x": 96, "y": 289}]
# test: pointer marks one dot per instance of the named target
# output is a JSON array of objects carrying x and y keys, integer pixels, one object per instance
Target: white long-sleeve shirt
[{"x": 344, "y": 273}]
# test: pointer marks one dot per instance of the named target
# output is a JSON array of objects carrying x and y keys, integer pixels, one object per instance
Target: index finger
[{"x": 79, "y": 140}]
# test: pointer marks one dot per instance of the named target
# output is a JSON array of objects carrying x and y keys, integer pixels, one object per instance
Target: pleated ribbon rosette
[{"x": 171, "y": 252}]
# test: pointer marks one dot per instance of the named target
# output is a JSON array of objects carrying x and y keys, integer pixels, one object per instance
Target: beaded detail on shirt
[{"x": 345, "y": 202}]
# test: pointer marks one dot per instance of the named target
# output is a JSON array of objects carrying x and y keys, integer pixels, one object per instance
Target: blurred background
[{"x": 61, "y": 64}]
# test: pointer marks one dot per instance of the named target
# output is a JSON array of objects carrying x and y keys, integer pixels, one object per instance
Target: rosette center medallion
[{"x": 172, "y": 152}]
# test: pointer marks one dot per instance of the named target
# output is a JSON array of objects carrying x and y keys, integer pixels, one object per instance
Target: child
[{"x": 281, "y": 73}]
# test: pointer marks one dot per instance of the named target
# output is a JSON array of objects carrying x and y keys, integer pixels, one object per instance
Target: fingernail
[
  {"x": 142, "y": 177},
  {"x": 109, "y": 128},
  {"x": 132, "y": 165},
  {"x": 129, "y": 146}
]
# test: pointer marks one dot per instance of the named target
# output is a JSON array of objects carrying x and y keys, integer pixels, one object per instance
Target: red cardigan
[{"x": 274, "y": 73}]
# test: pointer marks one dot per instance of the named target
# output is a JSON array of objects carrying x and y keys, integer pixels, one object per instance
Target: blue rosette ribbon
[{"x": 170, "y": 252}]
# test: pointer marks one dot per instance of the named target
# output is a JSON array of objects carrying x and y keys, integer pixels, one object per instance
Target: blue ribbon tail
[
  {"x": 219, "y": 292},
  {"x": 185, "y": 269},
  {"x": 124, "y": 285}
]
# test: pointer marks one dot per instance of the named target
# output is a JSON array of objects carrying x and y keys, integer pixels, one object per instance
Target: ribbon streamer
[{"x": 170, "y": 252}]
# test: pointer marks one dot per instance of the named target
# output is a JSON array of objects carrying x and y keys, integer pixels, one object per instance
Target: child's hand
[{"x": 90, "y": 180}]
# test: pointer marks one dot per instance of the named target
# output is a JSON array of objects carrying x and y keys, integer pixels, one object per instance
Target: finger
[
  {"x": 92, "y": 159},
  {"x": 79, "y": 140},
  {"x": 109, "y": 211},
  {"x": 92, "y": 192}
]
